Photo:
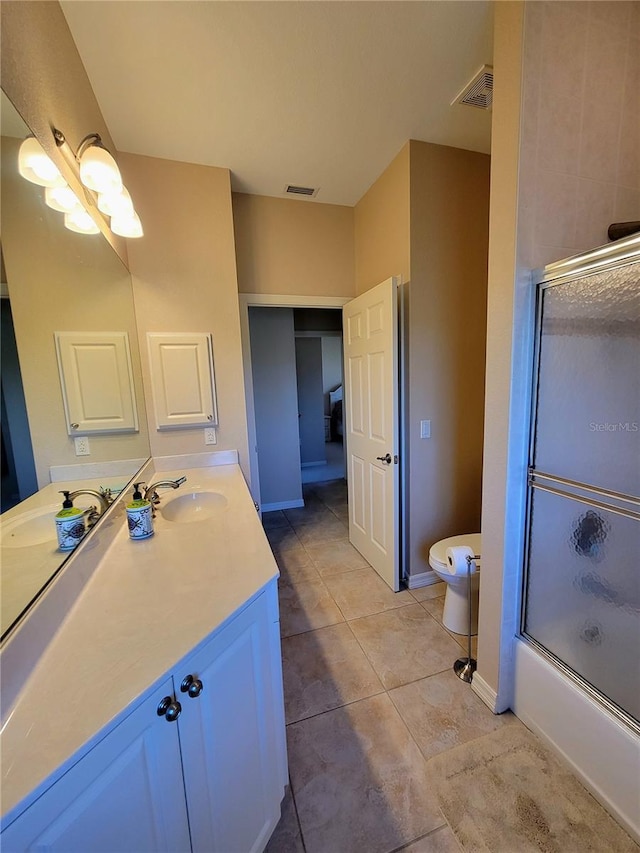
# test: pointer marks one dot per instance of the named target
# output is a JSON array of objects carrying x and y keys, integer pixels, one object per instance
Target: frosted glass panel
[
  {"x": 588, "y": 419},
  {"x": 583, "y": 593}
]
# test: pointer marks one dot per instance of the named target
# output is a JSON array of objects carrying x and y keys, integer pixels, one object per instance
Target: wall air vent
[
  {"x": 479, "y": 92},
  {"x": 291, "y": 189}
]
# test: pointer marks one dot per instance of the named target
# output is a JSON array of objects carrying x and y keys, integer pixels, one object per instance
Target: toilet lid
[{"x": 438, "y": 551}]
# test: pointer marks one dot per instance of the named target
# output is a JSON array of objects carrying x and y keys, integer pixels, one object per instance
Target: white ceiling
[{"x": 321, "y": 94}]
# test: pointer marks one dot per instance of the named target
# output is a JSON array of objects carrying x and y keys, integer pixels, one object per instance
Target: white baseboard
[
  {"x": 281, "y": 505},
  {"x": 422, "y": 579},
  {"x": 486, "y": 693}
]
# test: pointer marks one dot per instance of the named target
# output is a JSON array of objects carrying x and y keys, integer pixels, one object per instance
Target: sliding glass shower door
[{"x": 581, "y": 603}]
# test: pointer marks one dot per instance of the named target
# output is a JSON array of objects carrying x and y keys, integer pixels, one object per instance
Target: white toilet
[{"x": 456, "y": 602}]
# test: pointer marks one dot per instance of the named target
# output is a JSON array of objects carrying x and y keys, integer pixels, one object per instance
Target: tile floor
[{"x": 370, "y": 696}]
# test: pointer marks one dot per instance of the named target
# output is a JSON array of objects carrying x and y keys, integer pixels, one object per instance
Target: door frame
[{"x": 268, "y": 300}]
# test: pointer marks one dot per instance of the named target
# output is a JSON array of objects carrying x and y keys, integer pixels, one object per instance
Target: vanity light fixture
[
  {"x": 62, "y": 199},
  {"x": 127, "y": 224},
  {"x": 78, "y": 220},
  {"x": 114, "y": 204},
  {"x": 98, "y": 170},
  {"x": 36, "y": 166}
]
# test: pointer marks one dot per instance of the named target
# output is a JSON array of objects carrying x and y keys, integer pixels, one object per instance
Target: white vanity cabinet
[{"x": 210, "y": 780}]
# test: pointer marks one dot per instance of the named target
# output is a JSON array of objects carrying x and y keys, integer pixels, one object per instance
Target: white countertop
[
  {"x": 25, "y": 570},
  {"x": 147, "y": 605}
]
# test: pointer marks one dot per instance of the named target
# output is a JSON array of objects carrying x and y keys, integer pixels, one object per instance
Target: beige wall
[
  {"x": 447, "y": 319},
  {"x": 500, "y": 569},
  {"x": 382, "y": 243},
  {"x": 184, "y": 278},
  {"x": 286, "y": 246},
  {"x": 580, "y": 152},
  {"x": 426, "y": 218},
  {"x": 44, "y": 78},
  {"x": 61, "y": 281}
]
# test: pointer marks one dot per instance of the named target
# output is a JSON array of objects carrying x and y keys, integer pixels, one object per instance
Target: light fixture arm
[{"x": 90, "y": 139}]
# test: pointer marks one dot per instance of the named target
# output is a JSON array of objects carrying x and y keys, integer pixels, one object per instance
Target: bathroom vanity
[{"x": 154, "y": 718}]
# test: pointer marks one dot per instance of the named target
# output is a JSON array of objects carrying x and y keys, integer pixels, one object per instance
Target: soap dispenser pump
[
  {"x": 70, "y": 527},
  {"x": 139, "y": 515}
]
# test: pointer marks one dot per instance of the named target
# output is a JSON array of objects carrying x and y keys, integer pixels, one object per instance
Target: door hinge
[{"x": 395, "y": 459}]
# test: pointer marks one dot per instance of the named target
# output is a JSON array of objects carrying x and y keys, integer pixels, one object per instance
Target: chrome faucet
[
  {"x": 151, "y": 494},
  {"x": 103, "y": 496}
]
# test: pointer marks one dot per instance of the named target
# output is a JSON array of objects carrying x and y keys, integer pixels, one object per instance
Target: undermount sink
[
  {"x": 196, "y": 506},
  {"x": 30, "y": 528}
]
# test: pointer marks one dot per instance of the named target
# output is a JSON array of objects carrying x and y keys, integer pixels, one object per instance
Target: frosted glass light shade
[
  {"x": 99, "y": 171},
  {"x": 78, "y": 220},
  {"x": 116, "y": 204},
  {"x": 36, "y": 166},
  {"x": 61, "y": 198},
  {"x": 127, "y": 225}
]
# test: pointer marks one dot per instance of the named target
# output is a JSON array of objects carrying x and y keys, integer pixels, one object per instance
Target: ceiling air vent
[
  {"x": 479, "y": 92},
  {"x": 294, "y": 190}
]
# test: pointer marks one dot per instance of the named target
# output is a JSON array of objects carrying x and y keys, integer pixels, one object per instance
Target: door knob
[
  {"x": 170, "y": 709},
  {"x": 191, "y": 686},
  {"x": 386, "y": 459}
]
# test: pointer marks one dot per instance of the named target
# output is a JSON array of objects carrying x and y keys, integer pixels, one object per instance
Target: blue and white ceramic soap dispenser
[
  {"x": 139, "y": 515},
  {"x": 70, "y": 527}
]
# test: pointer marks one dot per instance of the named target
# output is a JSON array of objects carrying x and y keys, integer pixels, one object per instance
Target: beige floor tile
[
  {"x": 507, "y": 792},
  {"x": 324, "y": 669},
  {"x": 405, "y": 644},
  {"x": 440, "y": 841},
  {"x": 359, "y": 780},
  {"x": 282, "y": 538},
  {"x": 442, "y": 712},
  {"x": 295, "y": 565},
  {"x": 311, "y": 514},
  {"x": 270, "y": 520},
  {"x": 342, "y": 513},
  {"x": 434, "y": 590},
  {"x": 326, "y": 531},
  {"x": 435, "y": 606},
  {"x": 362, "y": 592},
  {"x": 305, "y": 606},
  {"x": 334, "y": 558},
  {"x": 286, "y": 837}
]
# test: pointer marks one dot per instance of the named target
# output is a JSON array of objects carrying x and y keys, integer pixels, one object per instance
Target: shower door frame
[
  {"x": 550, "y": 699},
  {"x": 615, "y": 256}
]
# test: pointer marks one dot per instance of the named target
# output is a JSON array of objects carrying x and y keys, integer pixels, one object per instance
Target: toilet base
[{"x": 456, "y": 607}]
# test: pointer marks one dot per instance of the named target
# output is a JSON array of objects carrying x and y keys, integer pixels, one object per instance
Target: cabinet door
[
  {"x": 182, "y": 379},
  {"x": 97, "y": 382},
  {"x": 230, "y": 737},
  {"x": 125, "y": 796}
]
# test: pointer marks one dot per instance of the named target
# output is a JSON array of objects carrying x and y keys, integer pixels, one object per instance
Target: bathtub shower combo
[{"x": 577, "y": 671}]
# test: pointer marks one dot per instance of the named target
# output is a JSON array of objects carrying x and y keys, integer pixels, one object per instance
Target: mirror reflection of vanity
[{"x": 54, "y": 280}]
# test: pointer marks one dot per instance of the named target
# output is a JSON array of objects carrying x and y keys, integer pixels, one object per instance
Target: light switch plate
[{"x": 425, "y": 429}]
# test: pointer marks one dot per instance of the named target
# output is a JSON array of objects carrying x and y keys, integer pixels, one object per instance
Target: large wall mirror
[{"x": 53, "y": 280}]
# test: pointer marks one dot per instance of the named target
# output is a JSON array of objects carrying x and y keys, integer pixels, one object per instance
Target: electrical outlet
[
  {"x": 425, "y": 429},
  {"x": 81, "y": 443},
  {"x": 210, "y": 435}
]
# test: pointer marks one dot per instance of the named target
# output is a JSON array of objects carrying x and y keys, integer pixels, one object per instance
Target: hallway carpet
[{"x": 388, "y": 750}]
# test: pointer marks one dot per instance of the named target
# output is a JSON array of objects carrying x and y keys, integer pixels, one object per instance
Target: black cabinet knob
[
  {"x": 170, "y": 709},
  {"x": 191, "y": 686}
]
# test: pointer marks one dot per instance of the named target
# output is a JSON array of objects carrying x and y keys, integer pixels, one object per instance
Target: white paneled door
[{"x": 370, "y": 328}]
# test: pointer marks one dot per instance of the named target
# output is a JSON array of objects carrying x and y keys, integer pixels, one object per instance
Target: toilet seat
[{"x": 438, "y": 551}]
